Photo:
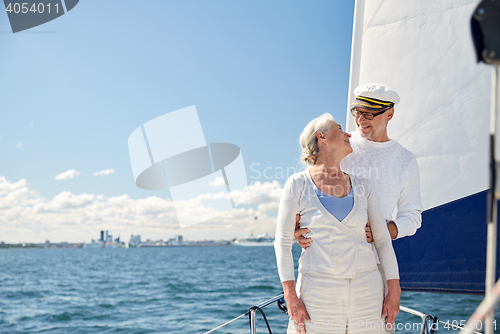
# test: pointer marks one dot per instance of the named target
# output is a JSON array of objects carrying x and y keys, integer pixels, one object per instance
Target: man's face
[{"x": 375, "y": 129}]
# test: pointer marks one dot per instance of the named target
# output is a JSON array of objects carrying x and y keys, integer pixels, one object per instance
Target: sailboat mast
[
  {"x": 493, "y": 196},
  {"x": 357, "y": 42}
]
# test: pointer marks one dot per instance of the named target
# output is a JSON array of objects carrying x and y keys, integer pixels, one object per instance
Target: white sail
[{"x": 423, "y": 50}]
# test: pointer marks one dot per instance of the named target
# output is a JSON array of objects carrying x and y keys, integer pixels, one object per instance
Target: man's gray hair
[{"x": 309, "y": 142}]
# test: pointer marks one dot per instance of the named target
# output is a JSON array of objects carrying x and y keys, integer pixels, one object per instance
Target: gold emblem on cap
[{"x": 374, "y": 101}]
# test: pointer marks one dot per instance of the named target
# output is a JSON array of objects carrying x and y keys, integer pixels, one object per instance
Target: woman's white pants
[{"x": 341, "y": 305}]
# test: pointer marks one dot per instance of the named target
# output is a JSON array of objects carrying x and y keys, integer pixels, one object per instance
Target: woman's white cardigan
[{"x": 339, "y": 249}]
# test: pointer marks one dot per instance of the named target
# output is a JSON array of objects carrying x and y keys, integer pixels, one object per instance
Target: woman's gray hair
[{"x": 309, "y": 142}]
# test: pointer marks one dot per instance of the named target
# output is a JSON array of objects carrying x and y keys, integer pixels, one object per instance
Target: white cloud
[
  {"x": 104, "y": 172},
  {"x": 67, "y": 175},
  {"x": 26, "y": 216},
  {"x": 19, "y": 145},
  {"x": 266, "y": 195},
  {"x": 218, "y": 182}
]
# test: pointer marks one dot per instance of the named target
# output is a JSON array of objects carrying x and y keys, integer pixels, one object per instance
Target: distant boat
[
  {"x": 261, "y": 240},
  {"x": 102, "y": 244},
  {"x": 94, "y": 244}
]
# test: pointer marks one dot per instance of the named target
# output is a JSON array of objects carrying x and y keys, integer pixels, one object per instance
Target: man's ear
[{"x": 390, "y": 114}]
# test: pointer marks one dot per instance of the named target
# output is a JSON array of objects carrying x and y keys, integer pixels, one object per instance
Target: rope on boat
[
  {"x": 227, "y": 323},
  {"x": 240, "y": 316},
  {"x": 280, "y": 299}
]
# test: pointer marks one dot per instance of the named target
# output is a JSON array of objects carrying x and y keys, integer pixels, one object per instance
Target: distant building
[
  {"x": 177, "y": 241},
  {"x": 102, "y": 236},
  {"x": 135, "y": 240}
]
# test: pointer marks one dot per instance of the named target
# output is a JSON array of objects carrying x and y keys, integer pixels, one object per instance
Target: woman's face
[{"x": 335, "y": 140}]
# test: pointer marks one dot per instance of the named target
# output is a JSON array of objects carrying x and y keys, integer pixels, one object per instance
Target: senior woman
[{"x": 339, "y": 288}]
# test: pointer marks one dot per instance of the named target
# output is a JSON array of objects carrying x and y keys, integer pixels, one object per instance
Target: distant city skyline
[
  {"x": 73, "y": 89},
  {"x": 107, "y": 241}
]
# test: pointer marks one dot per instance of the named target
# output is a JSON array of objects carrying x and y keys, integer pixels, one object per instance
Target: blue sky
[{"x": 72, "y": 91}]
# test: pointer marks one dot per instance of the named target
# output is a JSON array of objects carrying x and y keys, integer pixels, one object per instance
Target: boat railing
[
  {"x": 429, "y": 322},
  {"x": 280, "y": 299},
  {"x": 252, "y": 314}
]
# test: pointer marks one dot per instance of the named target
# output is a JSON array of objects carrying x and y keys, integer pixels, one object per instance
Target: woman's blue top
[{"x": 338, "y": 207}]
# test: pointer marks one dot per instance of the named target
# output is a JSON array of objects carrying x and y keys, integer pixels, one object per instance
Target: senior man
[{"x": 392, "y": 169}]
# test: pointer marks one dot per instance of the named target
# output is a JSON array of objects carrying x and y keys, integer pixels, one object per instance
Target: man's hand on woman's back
[{"x": 303, "y": 242}]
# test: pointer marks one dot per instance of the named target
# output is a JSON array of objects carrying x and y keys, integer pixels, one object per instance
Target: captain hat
[{"x": 375, "y": 97}]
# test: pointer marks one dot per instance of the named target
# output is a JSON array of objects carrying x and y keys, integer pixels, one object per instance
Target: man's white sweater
[{"x": 393, "y": 173}]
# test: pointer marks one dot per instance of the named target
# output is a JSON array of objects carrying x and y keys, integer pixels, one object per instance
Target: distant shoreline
[
  {"x": 33, "y": 245},
  {"x": 208, "y": 243}
]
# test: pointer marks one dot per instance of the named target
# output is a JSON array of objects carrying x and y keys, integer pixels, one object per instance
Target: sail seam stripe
[
  {"x": 417, "y": 16},
  {"x": 373, "y": 16},
  {"x": 451, "y": 154}
]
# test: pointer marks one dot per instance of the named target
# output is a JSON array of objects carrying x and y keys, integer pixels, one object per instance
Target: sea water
[{"x": 163, "y": 290}]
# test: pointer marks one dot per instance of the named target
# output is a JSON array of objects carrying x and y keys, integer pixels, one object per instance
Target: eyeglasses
[{"x": 366, "y": 115}]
